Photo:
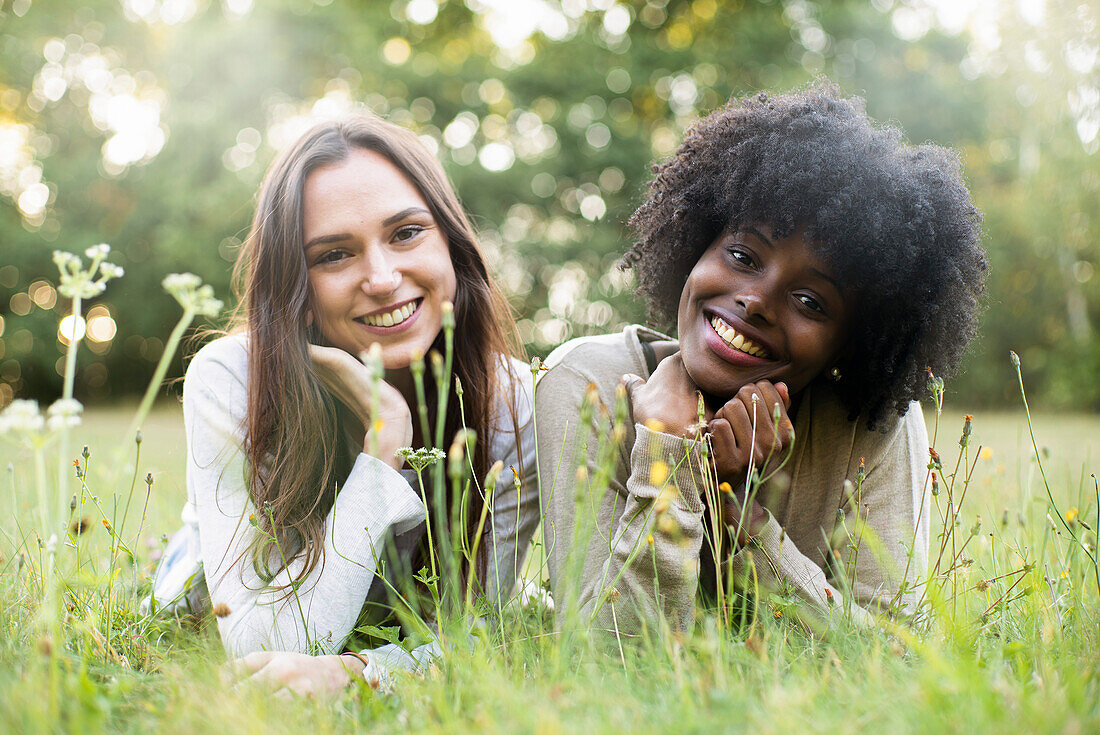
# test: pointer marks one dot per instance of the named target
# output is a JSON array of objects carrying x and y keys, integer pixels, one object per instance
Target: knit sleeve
[
  {"x": 640, "y": 564},
  {"x": 317, "y": 613},
  {"x": 878, "y": 538}
]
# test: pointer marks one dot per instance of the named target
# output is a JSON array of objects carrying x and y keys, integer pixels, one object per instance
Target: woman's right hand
[
  {"x": 349, "y": 380},
  {"x": 669, "y": 397}
]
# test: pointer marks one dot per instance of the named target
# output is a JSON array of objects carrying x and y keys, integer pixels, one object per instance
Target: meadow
[
  {"x": 1005, "y": 635},
  {"x": 1031, "y": 665}
]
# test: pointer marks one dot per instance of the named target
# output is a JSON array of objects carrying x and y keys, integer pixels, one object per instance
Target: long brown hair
[{"x": 295, "y": 437}]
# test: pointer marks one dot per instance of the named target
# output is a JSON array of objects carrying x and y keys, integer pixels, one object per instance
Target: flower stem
[{"x": 158, "y": 375}]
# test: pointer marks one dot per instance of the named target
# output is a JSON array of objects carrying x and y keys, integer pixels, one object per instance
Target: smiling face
[
  {"x": 379, "y": 266},
  {"x": 757, "y": 308}
]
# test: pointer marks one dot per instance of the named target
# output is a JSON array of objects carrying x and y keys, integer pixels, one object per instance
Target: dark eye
[
  {"x": 810, "y": 303},
  {"x": 331, "y": 256},
  {"x": 407, "y": 233},
  {"x": 741, "y": 257}
]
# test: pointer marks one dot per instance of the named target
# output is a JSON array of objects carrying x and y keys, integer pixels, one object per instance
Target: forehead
[{"x": 364, "y": 185}]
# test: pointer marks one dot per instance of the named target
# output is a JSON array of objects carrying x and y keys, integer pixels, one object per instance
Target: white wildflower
[
  {"x": 64, "y": 412},
  {"x": 111, "y": 270},
  {"x": 177, "y": 283},
  {"x": 189, "y": 290},
  {"x": 98, "y": 252},
  {"x": 64, "y": 260},
  {"x": 78, "y": 282},
  {"x": 22, "y": 416}
]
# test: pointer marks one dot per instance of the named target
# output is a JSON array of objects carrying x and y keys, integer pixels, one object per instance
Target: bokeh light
[
  {"x": 101, "y": 326},
  {"x": 70, "y": 325}
]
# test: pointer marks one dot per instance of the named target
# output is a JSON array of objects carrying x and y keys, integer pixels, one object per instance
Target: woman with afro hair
[{"x": 817, "y": 270}]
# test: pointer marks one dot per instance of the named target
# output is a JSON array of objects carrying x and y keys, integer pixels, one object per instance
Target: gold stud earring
[{"x": 834, "y": 375}]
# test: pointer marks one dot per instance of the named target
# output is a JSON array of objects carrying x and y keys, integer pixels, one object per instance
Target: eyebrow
[
  {"x": 758, "y": 233},
  {"x": 394, "y": 218},
  {"x": 827, "y": 277},
  {"x": 341, "y": 236}
]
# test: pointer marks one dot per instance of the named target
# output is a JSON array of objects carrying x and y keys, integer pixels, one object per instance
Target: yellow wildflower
[{"x": 658, "y": 473}]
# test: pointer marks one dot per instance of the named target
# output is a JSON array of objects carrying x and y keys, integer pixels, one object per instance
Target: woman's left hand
[
  {"x": 348, "y": 379},
  {"x": 745, "y": 431},
  {"x": 298, "y": 673}
]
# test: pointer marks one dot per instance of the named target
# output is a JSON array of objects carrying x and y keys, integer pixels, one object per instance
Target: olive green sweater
[{"x": 623, "y": 548}]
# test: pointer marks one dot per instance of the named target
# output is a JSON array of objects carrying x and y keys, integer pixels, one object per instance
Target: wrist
[{"x": 355, "y": 664}]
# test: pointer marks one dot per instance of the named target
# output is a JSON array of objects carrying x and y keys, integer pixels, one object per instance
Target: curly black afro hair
[{"x": 895, "y": 222}]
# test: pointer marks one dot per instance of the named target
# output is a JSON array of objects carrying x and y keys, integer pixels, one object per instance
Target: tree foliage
[{"x": 148, "y": 124}]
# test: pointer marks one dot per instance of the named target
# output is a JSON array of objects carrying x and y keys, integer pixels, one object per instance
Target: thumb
[{"x": 631, "y": 382}]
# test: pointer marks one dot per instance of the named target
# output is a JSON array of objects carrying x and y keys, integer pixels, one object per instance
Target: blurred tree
[{"x": 148, "y": 124}]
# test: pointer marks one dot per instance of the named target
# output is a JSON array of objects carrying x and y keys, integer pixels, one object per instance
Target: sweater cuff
[
  {"x": 682, "y": 471},
  {"x": 382, "y": 493}
]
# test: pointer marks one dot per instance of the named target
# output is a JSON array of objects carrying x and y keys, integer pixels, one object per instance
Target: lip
[
  {"x": 725, "y": 351},
  {"x": 396, "y": 328}
]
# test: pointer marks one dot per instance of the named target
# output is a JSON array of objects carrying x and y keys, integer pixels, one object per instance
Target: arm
[
  {"x": 597, "y": 536},
  {"x": 515, "y": 506},
  {"x": 886, "y": 548},
  {"x": 373, "y": 502}
]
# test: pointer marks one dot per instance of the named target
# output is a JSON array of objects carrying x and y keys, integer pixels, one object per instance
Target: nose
[
  {"x": 756, "y": 301},
  {"x": 379, "y": 275}
]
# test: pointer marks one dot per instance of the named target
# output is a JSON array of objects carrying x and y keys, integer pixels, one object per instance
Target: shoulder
[
  {"x": 514, "y": 389},
  {"x": 224, "y": 359},
  {"x": 896, "y": 442},
  {"x": 601, "y": 359},
  {"x": 513, "y": 408}
]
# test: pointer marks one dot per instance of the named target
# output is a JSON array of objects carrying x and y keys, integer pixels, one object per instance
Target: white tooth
[
  {"x": 387, "y": 320},
  {"x": 738, "y": 341},
  {"x": 373, "y": 321},
  {"x": 408, "y": 312}
]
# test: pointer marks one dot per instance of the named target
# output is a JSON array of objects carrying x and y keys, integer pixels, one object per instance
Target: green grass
[{"x": 1028, "y": 666}]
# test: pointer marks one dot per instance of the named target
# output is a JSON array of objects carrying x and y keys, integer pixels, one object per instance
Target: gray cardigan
[{"x": 634, "y": 556}]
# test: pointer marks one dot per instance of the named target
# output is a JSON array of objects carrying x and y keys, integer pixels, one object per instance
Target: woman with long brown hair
[{"x": 295, "y": 487}]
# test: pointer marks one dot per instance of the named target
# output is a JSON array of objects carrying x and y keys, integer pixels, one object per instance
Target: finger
[
  {"x": 774, "y": 399},
  {"x": 784, "y": 393},
  {"x": 761, "y": 432},
  {"x": 728, "y": 462},
  {"x": 632, "y": 381},
  {"x": 285, "y": 694},
  {"x": 251, "y": 663}
]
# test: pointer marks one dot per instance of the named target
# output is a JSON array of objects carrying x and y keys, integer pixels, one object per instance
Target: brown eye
[
  {"x": 810, "y": 303},
  {"x": 741, "y": 257},
  {"x": 405, "y": 234},
  {"x": 331, "y": 256}
]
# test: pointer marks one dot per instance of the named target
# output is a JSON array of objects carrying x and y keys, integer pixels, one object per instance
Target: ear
[{"x": 309, "y": 317}]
